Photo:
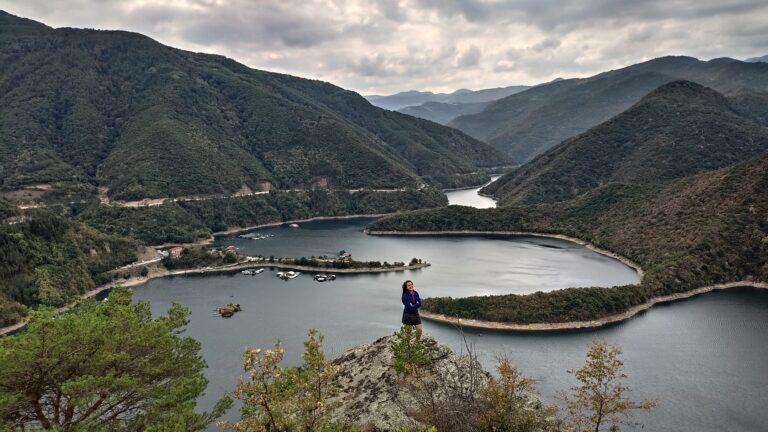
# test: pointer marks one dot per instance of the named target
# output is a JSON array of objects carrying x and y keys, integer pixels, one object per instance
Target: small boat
[
  {"x": 252, "y": 272},
  {"x": 294, "y": 225},
  {"x": 322, "y": 277},
  {"x": 288, "y": 275},
  {"x": 280, "y": 274}
]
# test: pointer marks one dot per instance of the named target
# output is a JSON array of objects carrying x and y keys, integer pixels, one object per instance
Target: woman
[{"x": 412, "y": 303}]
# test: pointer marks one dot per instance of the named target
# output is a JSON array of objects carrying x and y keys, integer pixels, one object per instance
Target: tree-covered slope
[
  {"x": 48, "y": 260},
  {"x": 86, "y": 108},
  {"x": 190, "y": 221},
  {"x": 529, "y": 123},
  {"x": 7, "y": 210},
  {"x": 678, "y": 130},
  {"x": 696, "y": 231}
]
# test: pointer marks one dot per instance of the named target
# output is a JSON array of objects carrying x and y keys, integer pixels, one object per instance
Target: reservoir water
[
  {"x": 469, "y": 197},
  {"x": 703, "y": 359}
]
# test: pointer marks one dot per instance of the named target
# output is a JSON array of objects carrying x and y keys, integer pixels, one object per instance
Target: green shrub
[{"x": 410, "y": 353}]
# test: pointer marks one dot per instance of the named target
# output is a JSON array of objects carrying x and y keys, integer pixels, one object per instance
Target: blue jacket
[{"x": 412, "y": 302}]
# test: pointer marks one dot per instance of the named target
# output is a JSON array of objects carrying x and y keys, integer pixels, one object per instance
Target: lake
[{"x": 703, "y": 359}]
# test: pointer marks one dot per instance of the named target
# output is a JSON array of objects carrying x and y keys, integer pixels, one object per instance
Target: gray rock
[{"x": 373, "y": 394}]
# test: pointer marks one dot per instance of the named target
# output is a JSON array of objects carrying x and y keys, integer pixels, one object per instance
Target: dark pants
[{"x": 411, "y": 318}]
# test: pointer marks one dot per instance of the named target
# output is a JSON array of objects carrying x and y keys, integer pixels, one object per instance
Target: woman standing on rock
[{"x": 412, "y": 303}]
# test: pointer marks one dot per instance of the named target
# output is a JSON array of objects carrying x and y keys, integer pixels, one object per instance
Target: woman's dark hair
[{"x": 405, "y": 284}]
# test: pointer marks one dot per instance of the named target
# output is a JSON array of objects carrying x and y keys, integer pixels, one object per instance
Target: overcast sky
[{"x": 386, "y": 46}]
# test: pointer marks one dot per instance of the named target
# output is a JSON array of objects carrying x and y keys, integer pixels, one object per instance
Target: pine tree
[{"x": 103, "y": 366}]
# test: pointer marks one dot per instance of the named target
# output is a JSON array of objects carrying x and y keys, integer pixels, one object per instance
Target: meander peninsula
[{"x": 685, "y": 238}]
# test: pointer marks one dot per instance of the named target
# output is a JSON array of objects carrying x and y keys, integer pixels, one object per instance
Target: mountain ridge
[
  {"x": 413, "y": 98},
  {"x": 530, "y": 122},
  {"x": 678, "y": 130},
  {"x": 443, "y": 112},
  {"x": 87, "y": 108}
]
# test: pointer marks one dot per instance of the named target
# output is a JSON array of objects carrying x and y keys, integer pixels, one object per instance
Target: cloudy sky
[{"x": 385, "y": 46}]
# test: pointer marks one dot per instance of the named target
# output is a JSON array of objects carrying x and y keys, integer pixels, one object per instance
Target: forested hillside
[
  {"x": 48, "y": 260},
  {"x": 678, "y": 130},
  {"x": 527, "y": 124},
  {"x": 81, "y": 109},
  {"x": 193, "y": 220}
]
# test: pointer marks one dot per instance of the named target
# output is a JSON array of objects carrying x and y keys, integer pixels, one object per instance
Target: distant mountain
[
  {"x": 680, "y": 129},
  {"x": 401, "y": 100},
  {"x": 528, "y": 123},
  {"x": 442, "y": 112},
  {"x": 763, "y": 59},
  {"x": 81, "y": 109}
]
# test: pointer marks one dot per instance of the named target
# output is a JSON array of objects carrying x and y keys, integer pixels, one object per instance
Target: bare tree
[{"x": 600, "y": 400}]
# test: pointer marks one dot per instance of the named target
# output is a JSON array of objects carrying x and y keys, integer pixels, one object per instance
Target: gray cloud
[
  {"x": 284, "y": 23},
  {"x": 546, "y": 44},
  {"x": 391, "y": 10},
  {"x": 469, "y": 57},
  {"x": 471, "y": 10},
  {"x": 385, "y": 46}
]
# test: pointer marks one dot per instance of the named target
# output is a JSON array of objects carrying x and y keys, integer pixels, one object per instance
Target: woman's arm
[{"x": 411, "y": 303}]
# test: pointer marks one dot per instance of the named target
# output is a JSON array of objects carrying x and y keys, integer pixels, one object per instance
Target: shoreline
[
  {"x": 593, "y": 324},
  {"x": 475, "y": 187},
  {"x": 163, "y": 272},
  {"x": 624, "y": 260},
  {"x": 237, "y": 230}
]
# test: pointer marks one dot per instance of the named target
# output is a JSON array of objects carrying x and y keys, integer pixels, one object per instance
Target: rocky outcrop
[{"x": 372, "y": 393}]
